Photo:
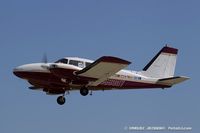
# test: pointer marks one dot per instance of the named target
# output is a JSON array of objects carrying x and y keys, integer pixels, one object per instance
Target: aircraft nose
[
  {"x": 24, "y": 71},
  {"x": 18, "y": 70}
]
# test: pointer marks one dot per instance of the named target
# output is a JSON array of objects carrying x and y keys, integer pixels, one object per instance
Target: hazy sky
[{"x": 134, "y": 30}]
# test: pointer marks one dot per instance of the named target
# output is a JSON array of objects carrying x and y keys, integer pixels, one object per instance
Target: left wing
[{"x": 102, "y": 69}]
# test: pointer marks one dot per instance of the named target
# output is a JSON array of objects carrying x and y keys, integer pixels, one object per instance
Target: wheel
[
  {"x": 84, "y": 91},
  {"x": 61, "y": 100}
]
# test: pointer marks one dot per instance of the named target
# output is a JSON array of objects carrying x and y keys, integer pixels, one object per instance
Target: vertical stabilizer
[{"x": 163, "y": 64}]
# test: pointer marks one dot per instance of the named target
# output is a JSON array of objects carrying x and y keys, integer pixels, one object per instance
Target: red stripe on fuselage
[
  {"x": 39, "y": 77},
  {"x": 112, "y": 83},
  {"x": 62, "y": 72},
  {"x": 69, "y": 74},
  {"x": 51, "y": 79}
]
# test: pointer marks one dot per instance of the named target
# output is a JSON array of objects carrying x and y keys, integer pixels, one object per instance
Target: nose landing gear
[
  {"x": 61, "y": 100},
  {"x": 83, "y": 91}
]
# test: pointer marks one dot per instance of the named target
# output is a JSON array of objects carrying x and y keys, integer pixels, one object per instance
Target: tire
[
  {"x": 61, "y": 100},
  {"x": 84, "y": 91}
]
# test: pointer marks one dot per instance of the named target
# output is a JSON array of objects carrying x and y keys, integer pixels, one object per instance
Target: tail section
[{"x": 163, "y": 64}]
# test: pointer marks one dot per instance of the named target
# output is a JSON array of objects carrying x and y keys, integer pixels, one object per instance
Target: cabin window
[
  {"x": 137, "y": 78},
  {"x": 87, "y": 64},
  {"x": 64, "y": 61},
  {"x": 76, "y": 63}
]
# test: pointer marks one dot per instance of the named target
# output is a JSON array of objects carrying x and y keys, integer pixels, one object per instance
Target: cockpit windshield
[
  {"x": 75, "y": 62},
  {"x": 64, "y": 61}
]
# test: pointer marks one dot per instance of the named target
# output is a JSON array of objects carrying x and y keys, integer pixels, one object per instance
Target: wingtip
[
  {"x": 185, "y": 77},
  {"x": 114, "y": 60}
]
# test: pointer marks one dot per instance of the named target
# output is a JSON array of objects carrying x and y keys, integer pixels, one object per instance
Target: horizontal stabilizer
[{"x": 172, "y": 81}]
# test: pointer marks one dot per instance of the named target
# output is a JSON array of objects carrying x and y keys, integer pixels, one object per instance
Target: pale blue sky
[{"x": 134, "y": 30}]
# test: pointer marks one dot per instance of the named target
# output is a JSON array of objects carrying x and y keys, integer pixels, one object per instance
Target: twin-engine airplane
[{"x": 106, "y": 73}]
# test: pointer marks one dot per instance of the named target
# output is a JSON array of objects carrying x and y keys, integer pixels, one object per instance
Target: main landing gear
[{"x": 84, "y": 91}]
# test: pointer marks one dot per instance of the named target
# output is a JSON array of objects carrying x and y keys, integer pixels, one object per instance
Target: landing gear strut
[
  {"x": 61, "y": 100},
  {"x": 84, "y": 91}
]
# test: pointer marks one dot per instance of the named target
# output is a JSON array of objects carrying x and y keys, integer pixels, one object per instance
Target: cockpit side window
[
  {"x": 64, "y": 61},
  {"x": 76, "y": 63}
]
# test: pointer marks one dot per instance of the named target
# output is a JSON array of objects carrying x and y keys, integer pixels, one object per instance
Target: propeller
[{"x": 45, "y": 59}]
